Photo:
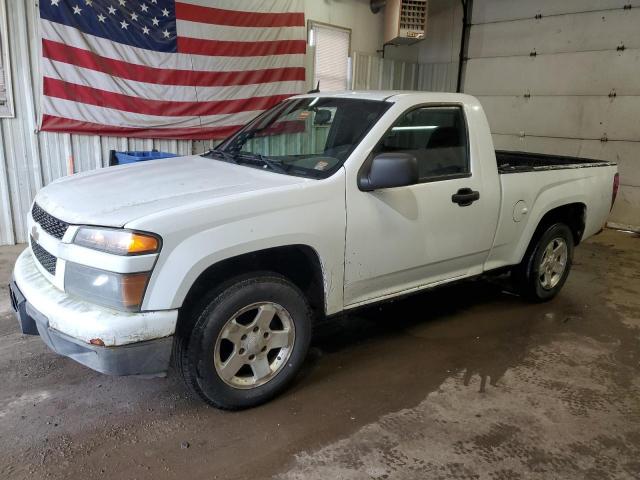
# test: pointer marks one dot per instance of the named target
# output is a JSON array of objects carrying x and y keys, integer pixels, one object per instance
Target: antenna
[{"x": 315, "y": 90}]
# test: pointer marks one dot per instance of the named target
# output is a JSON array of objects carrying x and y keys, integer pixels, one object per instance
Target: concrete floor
[{"x": 463, "y": 382}]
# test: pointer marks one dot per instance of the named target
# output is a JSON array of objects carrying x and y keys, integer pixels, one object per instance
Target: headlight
[
  {"x": 117, "y": 241},
  {"x": 122, "y": 291}
]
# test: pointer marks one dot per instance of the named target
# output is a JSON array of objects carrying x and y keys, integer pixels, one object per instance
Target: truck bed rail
[{"x": 518, "y": 162}]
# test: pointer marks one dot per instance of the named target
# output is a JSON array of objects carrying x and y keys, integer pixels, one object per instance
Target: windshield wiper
[
  {"x": 253, "y": 157},
  {"x": 225, "y": 156},
  {"x": 247, "y": 157}
]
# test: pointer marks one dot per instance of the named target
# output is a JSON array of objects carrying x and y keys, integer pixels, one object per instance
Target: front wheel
[
  {"x": 546, "y": 265},
  {"x": 248, "y": 342}
]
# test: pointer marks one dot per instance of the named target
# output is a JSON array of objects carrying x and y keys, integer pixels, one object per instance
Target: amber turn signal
[
  {"x": 140, "y": 243},
  {"x": 133, "y": 287}
]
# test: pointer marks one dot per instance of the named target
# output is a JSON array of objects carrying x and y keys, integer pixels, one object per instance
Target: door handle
[{"x": 465, "y": 197}]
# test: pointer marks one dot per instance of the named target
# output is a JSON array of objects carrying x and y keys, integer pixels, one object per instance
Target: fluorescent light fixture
[{"x": 416, "y": 127}]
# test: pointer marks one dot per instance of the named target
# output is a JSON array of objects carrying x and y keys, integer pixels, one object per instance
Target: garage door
[{"x": 564, "y": 78}]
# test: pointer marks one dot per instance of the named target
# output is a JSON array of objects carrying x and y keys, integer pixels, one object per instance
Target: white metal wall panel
[
  {"x": 582, "y": 117},
  {"x": 580, "y": 73},
  {"x": 485, "y": 11},
  {"x": 578, "y": 95},
  {"x": 20, "y": 146},
  {"x": 437, "y": 77},
  {"x": 558, "y": 34},
  {"x": 59, "y": 150},
  {"x": 371, "y": 72},
  {"x": 6, "y": 215}
]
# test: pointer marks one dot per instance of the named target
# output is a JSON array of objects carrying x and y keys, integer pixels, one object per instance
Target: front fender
[
  {"x": 313, "y": 216},
  {"x": 174, "y": 279}
]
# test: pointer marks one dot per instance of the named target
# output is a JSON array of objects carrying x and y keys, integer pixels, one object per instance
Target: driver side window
[{"x": 436, "y": 136}]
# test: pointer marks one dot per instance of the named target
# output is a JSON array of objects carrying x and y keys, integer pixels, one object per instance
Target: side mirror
[
  {"x": 389, "y": 170},
  {"x": 322, "y": 117}
]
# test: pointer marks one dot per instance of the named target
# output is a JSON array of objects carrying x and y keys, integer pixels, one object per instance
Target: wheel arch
[
  {"x": 573, "y": 215},
  {"x": 299, "y": 263}
]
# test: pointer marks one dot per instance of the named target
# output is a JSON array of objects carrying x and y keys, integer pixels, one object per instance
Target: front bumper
[{"x": 135, "y": 343}]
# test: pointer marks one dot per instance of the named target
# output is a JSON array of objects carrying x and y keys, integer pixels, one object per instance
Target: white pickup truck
[{"x": 324, "y": 203}]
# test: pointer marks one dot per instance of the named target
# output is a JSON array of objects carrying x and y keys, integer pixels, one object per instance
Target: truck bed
[{"x": 516, "y": 162}]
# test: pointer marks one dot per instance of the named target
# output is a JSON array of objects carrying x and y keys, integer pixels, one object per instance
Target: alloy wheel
[
  {"x": 254, "y": 345},
  {"x": 553, "y": 263}
]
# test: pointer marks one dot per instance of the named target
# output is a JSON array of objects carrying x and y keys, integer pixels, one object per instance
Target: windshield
[{"x": 309, "y": 137}]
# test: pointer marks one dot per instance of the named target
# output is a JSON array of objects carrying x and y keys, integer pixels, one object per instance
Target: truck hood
[{"x": 115, "y": 196}]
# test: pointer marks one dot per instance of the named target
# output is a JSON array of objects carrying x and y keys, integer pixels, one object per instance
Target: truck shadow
[
  {"x": 473, "y": 329},
  {"x": 402, "y": 314}
]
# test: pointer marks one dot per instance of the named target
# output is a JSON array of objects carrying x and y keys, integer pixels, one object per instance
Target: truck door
[{"x": 442, "y": 228}]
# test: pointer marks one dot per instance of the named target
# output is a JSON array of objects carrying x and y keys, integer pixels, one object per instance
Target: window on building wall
[
  {"x": 6, "y": 99},
  {"x": 331, "y": 63}
]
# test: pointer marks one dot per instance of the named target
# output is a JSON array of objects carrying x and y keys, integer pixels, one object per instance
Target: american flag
[{"x": 191, "y": 69}]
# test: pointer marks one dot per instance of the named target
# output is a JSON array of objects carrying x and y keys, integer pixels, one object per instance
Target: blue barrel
[{"x": 123, "y": 158}]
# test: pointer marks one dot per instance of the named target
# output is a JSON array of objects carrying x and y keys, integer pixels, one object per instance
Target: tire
[
  {"x": 248, "y": 341},
  {"x": 538, "y": 278}
]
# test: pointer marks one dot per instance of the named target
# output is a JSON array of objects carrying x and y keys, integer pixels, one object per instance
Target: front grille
[
  {"x": 50, "y": 224},
  {"x": 47, "y": 260}
]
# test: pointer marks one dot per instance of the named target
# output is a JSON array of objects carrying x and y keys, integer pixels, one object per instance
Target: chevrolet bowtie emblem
[{"x": 34, "y": 233}]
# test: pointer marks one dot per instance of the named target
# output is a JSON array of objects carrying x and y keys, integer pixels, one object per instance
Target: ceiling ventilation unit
[{"x": 405, "y": 21}]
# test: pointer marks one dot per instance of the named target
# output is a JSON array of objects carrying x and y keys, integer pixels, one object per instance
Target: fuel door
[{"x": 520, "y": 209}]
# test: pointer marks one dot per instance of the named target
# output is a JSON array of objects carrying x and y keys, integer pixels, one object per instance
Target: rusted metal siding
[{"x": 30, "y": 159}]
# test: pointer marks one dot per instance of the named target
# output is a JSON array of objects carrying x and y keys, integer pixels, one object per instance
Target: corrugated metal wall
[
  {"x": 31, "y": 159},
  {"x": 371, "y": 72},
  {"x": 562, "y": 78}
]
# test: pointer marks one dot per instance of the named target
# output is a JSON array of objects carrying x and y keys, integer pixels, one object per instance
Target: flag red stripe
[
  {"x": 52, "y": 123},
  {"x": 236, "y": 18},
  {"x": 288, "y": 126},
  {"x": 83, "y": 58},
  {"x": 102, "y": 98},
  {"x": 240, "y": 49}
]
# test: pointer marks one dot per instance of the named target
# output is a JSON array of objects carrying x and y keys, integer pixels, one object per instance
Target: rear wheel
[
  {"x": 247, "y": 343},
  {"x": 546, "y": 265}
]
